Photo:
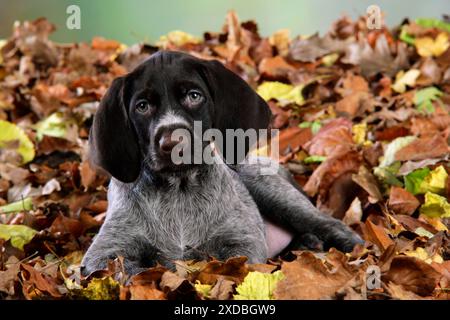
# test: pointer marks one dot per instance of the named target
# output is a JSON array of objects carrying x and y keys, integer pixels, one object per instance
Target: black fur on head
[{"x": 170, "y": 89}]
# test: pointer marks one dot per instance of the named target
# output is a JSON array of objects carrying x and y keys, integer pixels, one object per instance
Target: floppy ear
[
  {"x": 236, "y": 104},
  {"x": 113, "y": 142}
]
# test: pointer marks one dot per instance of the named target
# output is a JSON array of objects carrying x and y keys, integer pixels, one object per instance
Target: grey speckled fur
[{"x": 205, "y": 212}]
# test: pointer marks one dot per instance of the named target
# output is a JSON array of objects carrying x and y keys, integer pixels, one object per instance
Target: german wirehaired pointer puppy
[{"x": 159, "y": 211}]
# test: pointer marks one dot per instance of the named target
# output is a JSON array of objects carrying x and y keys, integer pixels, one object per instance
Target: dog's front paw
[{"x": 336, "y": 234}]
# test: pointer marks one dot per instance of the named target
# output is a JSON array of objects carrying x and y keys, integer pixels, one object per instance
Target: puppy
[{"x": 159, "y": 211}]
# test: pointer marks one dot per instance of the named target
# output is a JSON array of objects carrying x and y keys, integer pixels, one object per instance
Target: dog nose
[{"x": 166, "y": 143}]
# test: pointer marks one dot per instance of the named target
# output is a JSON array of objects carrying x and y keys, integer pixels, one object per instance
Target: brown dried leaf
[
  {"x": 402, "y": 202},
  {"x": 309, "y": 277},
  {"x": 413, "y": 274}
]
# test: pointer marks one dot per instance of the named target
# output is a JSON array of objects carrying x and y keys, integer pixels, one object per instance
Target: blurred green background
[{"x": 131, "y": 21}]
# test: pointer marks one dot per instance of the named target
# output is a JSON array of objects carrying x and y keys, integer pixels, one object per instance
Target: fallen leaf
[
  {"x": 423, "y": 148},
  {"x": 275, "y": 68},
  {"x": 9, "y": 133},
  {"x": 177, "y": 38},
  {"x": 398, "y": 292},
  {"x": 222, "y": 290},
  {"x": 424, "y": 98},
  {"x": 378, "y": 235},
  {"x": 415, "y": 179},
  {"x": 101, "y": 289},
  {"x": 284, "y": 93},
  {"x": 176, "y": 287},
  {"x": 39, "y": 280},
  {"x": 367, "y": 181},
  {"x": 435, "y": 206},
  {"x": 233, "y": 269},
  {"x": 146, "y": 292},
  {"x": 403, "y": 79},
  {"x": 9, "y": 276},
  {"x": 21, "y": 205},
  {"x": 19, "y": 235},
  {"x": 393, "y": 148},
  {"x": 427, "y": 46},
  {"x": 413, "y": 275},
  {"x": 336, "y": 132},
  {"x": 258, "y": 286},
  {"x": 310, "y": 278},
  {"x": 435, "y": 181},
  {"x": 354, "y": 213},
  {"x": 402, "y": 202}
]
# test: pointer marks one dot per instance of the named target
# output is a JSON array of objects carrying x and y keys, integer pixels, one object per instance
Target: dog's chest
[{"x": 184, "y": 215}]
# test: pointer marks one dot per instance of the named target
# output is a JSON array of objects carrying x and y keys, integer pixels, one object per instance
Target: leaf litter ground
[{"x": 364, "y": 127}]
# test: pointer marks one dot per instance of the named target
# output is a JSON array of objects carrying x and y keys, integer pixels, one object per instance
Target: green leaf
[
  {"x": 258, "y": 286},
  {"x": 54, "y": 126},
  {"x": 315, "y": 127},
  {"x": 305, "y": 124},
  {"x": 435, "y": 206},
  {"x": 284, "y": 93},
  {"x": 433, "y": 23},
  {"x": 21, "y": 205},
  {"x": 405, "y": 37},
  {"x": 413, "y": 180},
  {"x": 314, "y": 159},
  {"x": 426, "y": 23},
  {"x": 388, "y": 174},
  {"x": 9, "y": 133},
  {"x": 423, "y": 99},
  {"x": 19, "y": 235}
]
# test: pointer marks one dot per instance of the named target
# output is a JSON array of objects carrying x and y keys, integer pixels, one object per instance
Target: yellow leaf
[
  {"x": 258, "y": 286},
  {"x": 2, "y": 44},
  {"x": 280, "y": 40},
  {"x": 435, "y": 206},
  {"x": 359, "y": 133},
  {"x": 101, "y": 289},
  {"x": 404, "y": 79},
  {"x": 422, "y": 254},
  {"x": 330, "y": 59},
  {"x": 178, "y": 38},
  {"x": 284, "y": 93},
  {"x": 435, "y": 181},
  {"x": 435, "y": 222},
  {"x": 203, "y": 289},
  {"x": 19, "y": 235},
  {"x": 427, "y": 47},
  {"x": 9, "y": 133}
]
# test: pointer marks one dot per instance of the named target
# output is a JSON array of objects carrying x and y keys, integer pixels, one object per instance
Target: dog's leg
[
  {"x": 115, "y": 240},
  {"x": 279, "y": 199}
]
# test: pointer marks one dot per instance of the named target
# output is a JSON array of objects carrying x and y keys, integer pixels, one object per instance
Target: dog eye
[
  {"x": 142, "y": 106},
  {"x": 194, "y": 97}
]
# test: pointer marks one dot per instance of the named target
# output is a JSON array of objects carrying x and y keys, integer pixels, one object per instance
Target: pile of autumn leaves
[{"x": 364, "y": 126}]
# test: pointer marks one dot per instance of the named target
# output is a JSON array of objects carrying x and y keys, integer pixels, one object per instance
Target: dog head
[{"x": 169, "y": 91}]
